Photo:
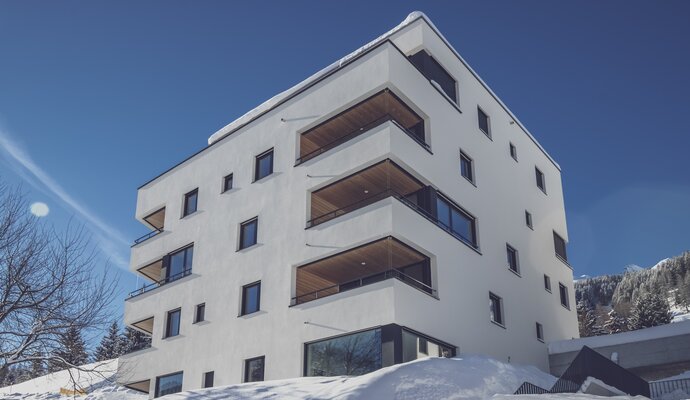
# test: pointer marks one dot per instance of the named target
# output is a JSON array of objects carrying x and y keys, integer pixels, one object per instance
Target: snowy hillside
[{"x": 470, "y": 377}]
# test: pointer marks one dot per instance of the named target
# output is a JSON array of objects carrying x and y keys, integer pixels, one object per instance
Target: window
[
  {"x": 415, "y": 346},
  {"x": 513, "y": 151},
  {"x": 190, "y": 200},
  {"x": 178, "y": 264},
  {"x": 512, "y": 259},
  {"x": 172, "y": 326},
  {"x": 251, "y": 298},
  {"x": 496, "y": 308},
  {"x": 541, "y": 182},
  {"x": 466, "y": 167},
  {"x": 208, "y": 379},
  {"x": 227, "y": 183},
  {"x": 248, "y": 233},
  {"x": 435, "y": 73},
  {"x": 423, "y": 346},
  {"x": 564, "y": 295},
  {"x": 483, "y": 120},
  {"x": 540, "y": 332},
  {"x": 168, "y": 384},
  {"x": 547, "y": 283},
  {"x": 559, "y": 245},
  {"x": 200, "y": 313},
  {"x": 264, "y": 165},
  {"x": 528, "y": 219},
  {"x": 254, "y": 369},
  {"x": 456, "y": 221},
  {"x": 351, "y": 354}
]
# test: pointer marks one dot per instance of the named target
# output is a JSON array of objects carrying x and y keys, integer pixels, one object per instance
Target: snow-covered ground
[{"x": 468, "y": 377}]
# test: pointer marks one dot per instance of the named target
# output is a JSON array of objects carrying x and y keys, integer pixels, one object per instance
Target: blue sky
[{"x": 98, "y": 97}]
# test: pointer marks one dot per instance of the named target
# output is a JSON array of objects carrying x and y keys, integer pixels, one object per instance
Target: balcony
[
  {"x": 375, "y": 183},
  {"x": 145, "y": 325},
  {"x": 356, "y": 120},
  {"x": 169, "y": 268},
  {"x": 383, "y": 259},
  {"x": 156, "y": 220},
  {"x": 159, "y": 283}
]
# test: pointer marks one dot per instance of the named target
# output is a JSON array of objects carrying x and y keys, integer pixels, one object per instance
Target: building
[{"x": 387, "y": 208}]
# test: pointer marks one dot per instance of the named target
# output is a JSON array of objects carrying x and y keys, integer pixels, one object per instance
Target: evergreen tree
[
  {"x": 616, "y": 323},
  {"x": 38, "y": 367},
  {"x": 586, "y": 319},
  {"x": 72, "y": 351},
  {"x": 110, "y": 346},
  {"x": 649, "y": 309},
  {"x": 133, "y": 340}
]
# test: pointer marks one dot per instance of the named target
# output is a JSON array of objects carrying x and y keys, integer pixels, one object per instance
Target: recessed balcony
[
  {"x": 145, "y": 325},
  {"x": 156, "y": 220},
  {"x": 375, "y": 183},
  {"x": 356, "y": 120},
  {"x": 167, "y": 269},
  {"x": 383, "y": 259}
]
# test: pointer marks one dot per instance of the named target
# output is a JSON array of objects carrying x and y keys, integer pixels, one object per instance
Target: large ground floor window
[
  {"x": 168, "y": 384},
  {"x": 362, "y": 352}
]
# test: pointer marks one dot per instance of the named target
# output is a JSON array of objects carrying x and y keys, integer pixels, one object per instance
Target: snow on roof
[
  {"x": 413, "y": 16},
  {"x": 273, "y": 101},
  {"x": 657, "y": 332}
]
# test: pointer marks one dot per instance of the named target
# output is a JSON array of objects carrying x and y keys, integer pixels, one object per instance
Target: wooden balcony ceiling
[
  {"x": 141, "y": 386},
  {"x": 369, "y": 259},
  {"x": 145, "y": 325},
  {"x": 356, "y": 117},
  {"x": 152, "y": 271},
  {"x": 156, "y": 219},
  {"x": 362, "y": 185}
]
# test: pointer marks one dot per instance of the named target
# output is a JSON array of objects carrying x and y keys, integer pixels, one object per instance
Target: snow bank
[
  {"x": 99, "y": 385},
  {"x": 657, "y": 332},
  {"x": 471, "y": 377}
]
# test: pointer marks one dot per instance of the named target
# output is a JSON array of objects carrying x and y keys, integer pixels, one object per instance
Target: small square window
[
  {"x": 190, "y": 202},
  {"x": 254, "y": 369},
  {"x": 208, "y": 379},
  {"x": 227, "y": 183},
  {"x": 200, "y": 313},
  {"x": 483, "y": 122},
  {"x": 560, "y": 247},
  {"x": 466, "y": 166},
  {"x": 564, "y": 295},
  {"x": 540, "y": 332},
  {"x": 172, "y": 326},
  {"x": 512, "y": 259},
  {"x": 249, "y": 233},
  {"x": 264, "y": 165},
  {"x": 541, "y": 182},
  {"x": 496, "y": 308},
  {"x": 251, "y": 298},
  {"x": 513, "y": 151},
  {"x": 547, "y": 283},
  {"x": 528, "y": 219}
]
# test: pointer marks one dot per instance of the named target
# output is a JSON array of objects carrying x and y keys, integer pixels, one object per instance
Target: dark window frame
[
  {"x": 547, "y": 283},
  {"x": 563, "y": 294},
  {"x": 474, "y": 241},
  {"x": 185, "y": 203},
  {"x": 255, "y": 239},
  {"x": 556, "y": 239},
  {"x": 496, "y": 299},
  {"x": 540, "y": 179},
  {"x": 468, "y": 160},
  {"x": 187, "y": 268},
  {"x": 513, "y": 151},
  {"x": 158, "y": 378},
  {"x": 168, "y": 328},
  {"x": 430, "y": 67},
  {"x": 200, "y": 313},
  {"x": 540, "y": 332},
  {"x": 205, "y": 379},
  {"x": 257, "y": 164},
  {"x": 246, "y": 368},
  {"x": 228, "y": 178},
  {"x": 514, "y": 261},
  {"x": 528, "y": 220},
  {"x": 480, "y": 113},
  {"x": 245, "y": 288}
]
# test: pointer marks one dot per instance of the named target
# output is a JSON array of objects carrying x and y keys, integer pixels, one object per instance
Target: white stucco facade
[{"x": 461, "y": 275}]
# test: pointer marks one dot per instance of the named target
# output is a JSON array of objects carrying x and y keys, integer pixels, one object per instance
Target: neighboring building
[{"x": 388, "y": 208}]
